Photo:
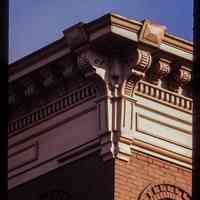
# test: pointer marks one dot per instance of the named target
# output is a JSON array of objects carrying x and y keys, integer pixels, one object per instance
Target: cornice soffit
[{"x": 146, "y": 32}]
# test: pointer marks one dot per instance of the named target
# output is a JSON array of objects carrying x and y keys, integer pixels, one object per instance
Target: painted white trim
[
  {"x": 134, "y": 37},
  {"x": 176, "y": 51},
  {"x": 161, "y": 156},
  {"x": 124, "y": 33},
  {"x": 152, "y": 140}
]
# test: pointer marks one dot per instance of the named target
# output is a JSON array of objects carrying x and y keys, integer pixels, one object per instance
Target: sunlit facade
[{"x": 105, "y": 112}]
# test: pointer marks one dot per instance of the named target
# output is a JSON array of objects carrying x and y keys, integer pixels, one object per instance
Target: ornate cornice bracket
[
  {"x": 139, "y": 63},
  {"x": 160, "y": 69},
  {"x": 182, "y": 77},
  {"x": 84, "y": 64},
  {"x": 91, "y": 62}
]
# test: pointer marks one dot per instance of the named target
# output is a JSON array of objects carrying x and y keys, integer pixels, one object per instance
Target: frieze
[
  {"x": 164, "y": 192},
  {"x": 62, "y": 104}
]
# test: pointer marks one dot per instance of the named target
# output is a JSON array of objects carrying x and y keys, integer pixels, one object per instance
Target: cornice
[
  {"x": 36, "y": 56},
  {"x": 103, "y": 26},
  {"x": 136, "y": 27},
  {"x": 178, "y": 43}
]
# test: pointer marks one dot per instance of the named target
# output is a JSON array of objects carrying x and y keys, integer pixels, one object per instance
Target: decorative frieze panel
[
  {"x": 158, "y": 125},
  {"x": 163, "y": 130},
  {"x": 72, "y": 99},
  {"x": 163, "y": 192}
]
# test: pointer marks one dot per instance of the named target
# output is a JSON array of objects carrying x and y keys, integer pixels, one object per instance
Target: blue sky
[{"x": 35, "y": 23}]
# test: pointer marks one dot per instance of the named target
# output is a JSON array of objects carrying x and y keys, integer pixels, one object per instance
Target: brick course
[{"x": 132, "y": 177}]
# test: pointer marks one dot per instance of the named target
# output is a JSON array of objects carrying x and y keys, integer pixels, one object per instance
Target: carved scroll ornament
[
  {"x": 139, "y": 63},
  {"x": 90, "y": 61},
  {"x": 84, "y": 64}
]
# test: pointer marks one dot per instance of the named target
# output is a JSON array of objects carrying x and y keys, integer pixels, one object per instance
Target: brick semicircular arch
[{"x": 164, "y": 192}]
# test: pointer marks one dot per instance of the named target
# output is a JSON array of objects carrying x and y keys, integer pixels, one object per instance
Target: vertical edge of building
[{"x": 196, "y": 99}]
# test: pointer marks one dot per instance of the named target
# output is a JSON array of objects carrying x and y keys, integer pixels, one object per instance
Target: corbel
[
  {"x": 91, "y": 62},
  {"x": 115, "y": 76},
  {"x": 138, "y": 63},
  {"x": 160, "y": 69},
  {"x": 181, "y": 77}
]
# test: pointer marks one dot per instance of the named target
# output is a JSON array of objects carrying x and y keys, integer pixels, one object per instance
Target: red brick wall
[{"x": 132, "y": 177}]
